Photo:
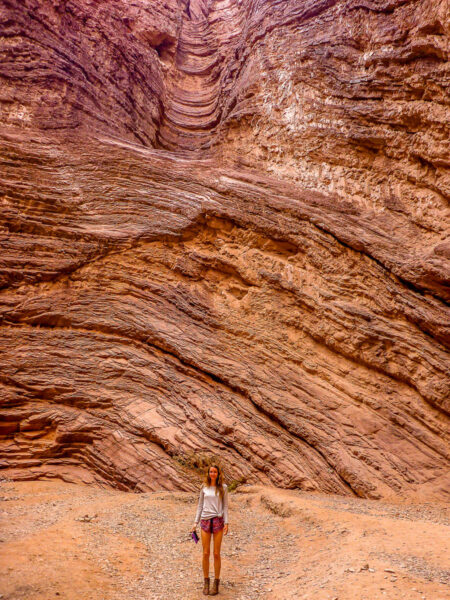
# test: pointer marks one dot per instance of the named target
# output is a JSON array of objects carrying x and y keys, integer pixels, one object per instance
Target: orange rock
[{"x": 223, "y": 233}]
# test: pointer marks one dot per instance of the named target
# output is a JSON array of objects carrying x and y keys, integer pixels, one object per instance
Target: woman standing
[{"x": 212, "y": 512}]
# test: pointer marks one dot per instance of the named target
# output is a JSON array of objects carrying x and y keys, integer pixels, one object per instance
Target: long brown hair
[{"x": 219, "y": 480}]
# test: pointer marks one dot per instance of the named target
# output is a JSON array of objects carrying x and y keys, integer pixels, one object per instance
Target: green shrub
[
  {"x": 235, "y": 482},
  {"x": 198, "y": 461}
]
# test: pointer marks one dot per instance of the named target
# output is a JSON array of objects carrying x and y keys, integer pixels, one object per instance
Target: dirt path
[{"x": 282, "y": 544}]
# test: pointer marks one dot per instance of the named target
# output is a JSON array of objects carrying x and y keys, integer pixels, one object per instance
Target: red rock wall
[{"x": 225, "y": 230}]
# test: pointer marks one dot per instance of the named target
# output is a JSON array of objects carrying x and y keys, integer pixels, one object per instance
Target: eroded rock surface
[{"x": 225, "y": 230}]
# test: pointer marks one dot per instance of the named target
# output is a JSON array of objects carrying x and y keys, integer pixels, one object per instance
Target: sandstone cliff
[{"x": 225, "y": 230}]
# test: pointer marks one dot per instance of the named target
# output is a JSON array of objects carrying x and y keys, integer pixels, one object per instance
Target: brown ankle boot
[
  {"x": 215, "y": 588},
  {"x": 206, "y": 587}
]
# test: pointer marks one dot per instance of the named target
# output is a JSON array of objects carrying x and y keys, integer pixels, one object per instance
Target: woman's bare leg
[
  {"x": 217, "y": 543},
  {"x": 206, "y": 543}
]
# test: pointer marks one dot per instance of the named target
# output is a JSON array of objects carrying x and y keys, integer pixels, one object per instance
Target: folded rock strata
[{"x": 225, "y": 231}]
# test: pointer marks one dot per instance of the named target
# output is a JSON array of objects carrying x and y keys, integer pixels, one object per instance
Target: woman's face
[{"x": 213, "y": 473}]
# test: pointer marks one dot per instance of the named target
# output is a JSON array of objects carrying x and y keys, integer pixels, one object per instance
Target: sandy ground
[{"x": 281, "y": 544}]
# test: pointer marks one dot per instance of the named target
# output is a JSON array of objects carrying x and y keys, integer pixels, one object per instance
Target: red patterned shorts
[{"x": 212, "y": 525}]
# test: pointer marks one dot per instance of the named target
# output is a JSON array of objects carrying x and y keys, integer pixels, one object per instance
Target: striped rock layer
[{"x": 225, "y": 232}]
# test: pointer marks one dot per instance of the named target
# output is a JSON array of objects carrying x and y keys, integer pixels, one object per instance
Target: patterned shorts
[{"x": 212, "y": 525}]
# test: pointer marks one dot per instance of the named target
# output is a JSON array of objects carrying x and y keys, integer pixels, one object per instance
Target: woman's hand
[
  {"x": 194, "y": 527},
  {"x": 225, "y": 529}
]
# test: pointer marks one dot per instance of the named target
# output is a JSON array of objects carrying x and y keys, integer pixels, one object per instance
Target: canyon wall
[{"x": 225, "y": 231}]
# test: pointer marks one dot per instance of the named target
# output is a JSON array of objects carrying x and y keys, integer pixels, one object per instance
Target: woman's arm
[
  {"x": 225, "y": 504},
  {"x": 199, "y": 508}
]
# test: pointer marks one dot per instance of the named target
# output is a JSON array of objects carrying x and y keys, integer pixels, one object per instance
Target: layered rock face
[{"x": 225, "y": 232}]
